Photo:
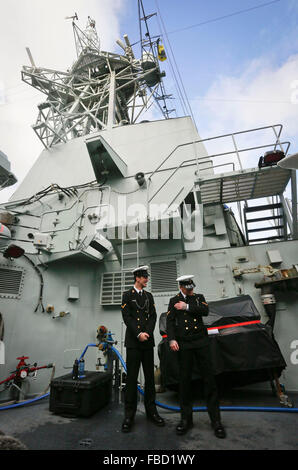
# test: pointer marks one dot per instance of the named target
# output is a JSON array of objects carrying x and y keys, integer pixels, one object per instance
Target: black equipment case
[{"x": 80, "y": 397}]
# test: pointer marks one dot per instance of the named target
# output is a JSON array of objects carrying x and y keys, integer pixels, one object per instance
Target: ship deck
[{"x": 39, "y": 429}]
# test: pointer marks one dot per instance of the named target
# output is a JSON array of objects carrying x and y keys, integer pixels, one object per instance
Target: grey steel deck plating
[{"x": 39, "y": 429}]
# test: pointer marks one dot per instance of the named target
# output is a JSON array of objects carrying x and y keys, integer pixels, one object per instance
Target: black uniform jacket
[
  {"x": 139, "y": 317},
  {"x": 186, "y": 326}
]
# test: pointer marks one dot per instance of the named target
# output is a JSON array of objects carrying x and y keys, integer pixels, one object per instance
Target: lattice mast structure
[{"x": 101, "y": 90}]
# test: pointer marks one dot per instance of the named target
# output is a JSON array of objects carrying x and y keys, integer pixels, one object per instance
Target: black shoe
[
  {"x": 156, "y": 419},
  {"x": 127, "y": 424},
  {"x": 219, "y": 430},
  {"x": 184, "y": 426}
]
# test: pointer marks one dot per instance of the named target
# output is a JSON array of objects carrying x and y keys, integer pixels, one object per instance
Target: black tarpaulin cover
[{"x": 241, "y": 355}]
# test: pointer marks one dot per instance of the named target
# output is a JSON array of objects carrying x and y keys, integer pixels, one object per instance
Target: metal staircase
[{"x": 276, "y": 216}]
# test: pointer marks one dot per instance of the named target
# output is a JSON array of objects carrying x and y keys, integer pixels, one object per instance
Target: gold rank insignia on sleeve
[{"x": 122, "y": 306}]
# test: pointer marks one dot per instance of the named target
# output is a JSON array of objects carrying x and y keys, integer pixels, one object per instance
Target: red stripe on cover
[
  {"x": 234, "y": 324},
  {"x": 229, "y": 326}
]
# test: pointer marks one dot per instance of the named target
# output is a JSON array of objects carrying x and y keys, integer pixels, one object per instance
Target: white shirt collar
[
  {"x": 138, "y": 291},
  {"x": 182, "y": 293}
]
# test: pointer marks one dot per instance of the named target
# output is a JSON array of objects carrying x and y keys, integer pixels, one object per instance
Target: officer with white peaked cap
[
  {"x": 186, "y": 281},
  {"x": 188, "y": 336},
  {"x": 139, "y": 316}
]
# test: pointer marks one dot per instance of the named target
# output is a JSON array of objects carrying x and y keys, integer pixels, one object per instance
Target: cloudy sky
[{"x": 237, "y": 61}]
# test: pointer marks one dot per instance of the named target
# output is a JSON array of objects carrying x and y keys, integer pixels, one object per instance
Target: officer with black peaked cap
[
  {"x": 188, "y": 336},
  {"x": 139, "y": 316}
]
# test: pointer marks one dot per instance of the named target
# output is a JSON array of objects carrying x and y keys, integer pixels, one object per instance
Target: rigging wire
[
  {"x": 212, "y": 20},
  {"x": 179, "y": 75},
  {"x": 239, "y": 12},
  {"x": 178, "y": 89},
  {"x": 148, "y": 43}
]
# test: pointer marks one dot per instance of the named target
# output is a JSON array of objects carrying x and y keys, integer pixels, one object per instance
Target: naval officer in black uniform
[
  {"x": 188, "y": 336},
  {"x": 139, "y": 316}
]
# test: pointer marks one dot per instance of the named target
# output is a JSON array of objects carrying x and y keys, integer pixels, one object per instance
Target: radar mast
[{"x": 101, "y": 90}]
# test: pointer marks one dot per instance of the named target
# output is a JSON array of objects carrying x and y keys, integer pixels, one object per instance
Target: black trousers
[
  {"x": 134, "y": 358},
  {"x": 186, "y": 361}
]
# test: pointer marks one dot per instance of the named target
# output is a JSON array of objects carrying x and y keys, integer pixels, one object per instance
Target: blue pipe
[
  {"x": 162, "y": 405},
  {"x": 32, "y": 400},
  {"x": 204, "y": 408},
  {"x": 84, "y": 352}
]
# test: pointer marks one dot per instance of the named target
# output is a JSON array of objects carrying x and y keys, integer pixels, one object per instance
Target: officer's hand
[
  {"x": 143, "y": 337},
  {"x": 180, "y": 305},
  {"x": 174, "y": 345}
]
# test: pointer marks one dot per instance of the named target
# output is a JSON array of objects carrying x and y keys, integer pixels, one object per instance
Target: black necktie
[{"x": 140, "y": 298}]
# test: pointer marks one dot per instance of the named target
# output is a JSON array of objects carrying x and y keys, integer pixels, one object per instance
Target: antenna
[
  {"x": 75, "y": 17},
  {"x": 86, "y": 40},
  {"x": 127, "y": 48},
  {"x": 120, "y": 43},
  {"x": 30, "y": 57}
]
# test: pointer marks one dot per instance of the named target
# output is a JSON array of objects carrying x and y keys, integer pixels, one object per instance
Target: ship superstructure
[{"x": 110, "y": 191}]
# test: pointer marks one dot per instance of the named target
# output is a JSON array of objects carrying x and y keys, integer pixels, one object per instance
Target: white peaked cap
[
  {"x": 186, "y": 281},
  {"x": 187, "y": 277},
  {"x": 140, "y": 268}
]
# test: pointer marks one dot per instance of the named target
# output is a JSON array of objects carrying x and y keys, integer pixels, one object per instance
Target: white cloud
[
  {"x": 2, "y": 94},
  {"x": 262, "y": 95}
]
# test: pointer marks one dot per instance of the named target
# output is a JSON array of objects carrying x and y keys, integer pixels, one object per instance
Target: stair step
[
  {"x": 265, "y": 239},
  {"x": 129, "y": 254},
  {"x": 262, "y": 208},
  {"x": 263, "y": 229},
  {"x": 261, "y": 219}
]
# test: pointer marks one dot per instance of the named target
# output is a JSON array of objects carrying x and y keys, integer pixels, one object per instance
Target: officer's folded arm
[
  {"x": 181, "y": 305},
  {"x": 200, "y": 307}
]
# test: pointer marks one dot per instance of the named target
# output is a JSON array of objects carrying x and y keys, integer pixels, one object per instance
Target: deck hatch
[{"x": 11, "y": 282}]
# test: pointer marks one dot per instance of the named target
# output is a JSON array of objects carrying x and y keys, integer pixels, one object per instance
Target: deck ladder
[
  {"x": 129, "y": 254},
  {"x": 277, "y": 217}
]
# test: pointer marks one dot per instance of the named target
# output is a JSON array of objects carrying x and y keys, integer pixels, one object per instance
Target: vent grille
[
  {"x": 111, "y": 293},
  {"x": 11, "y": 282},
  {"x": 163, "y": 276}
]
